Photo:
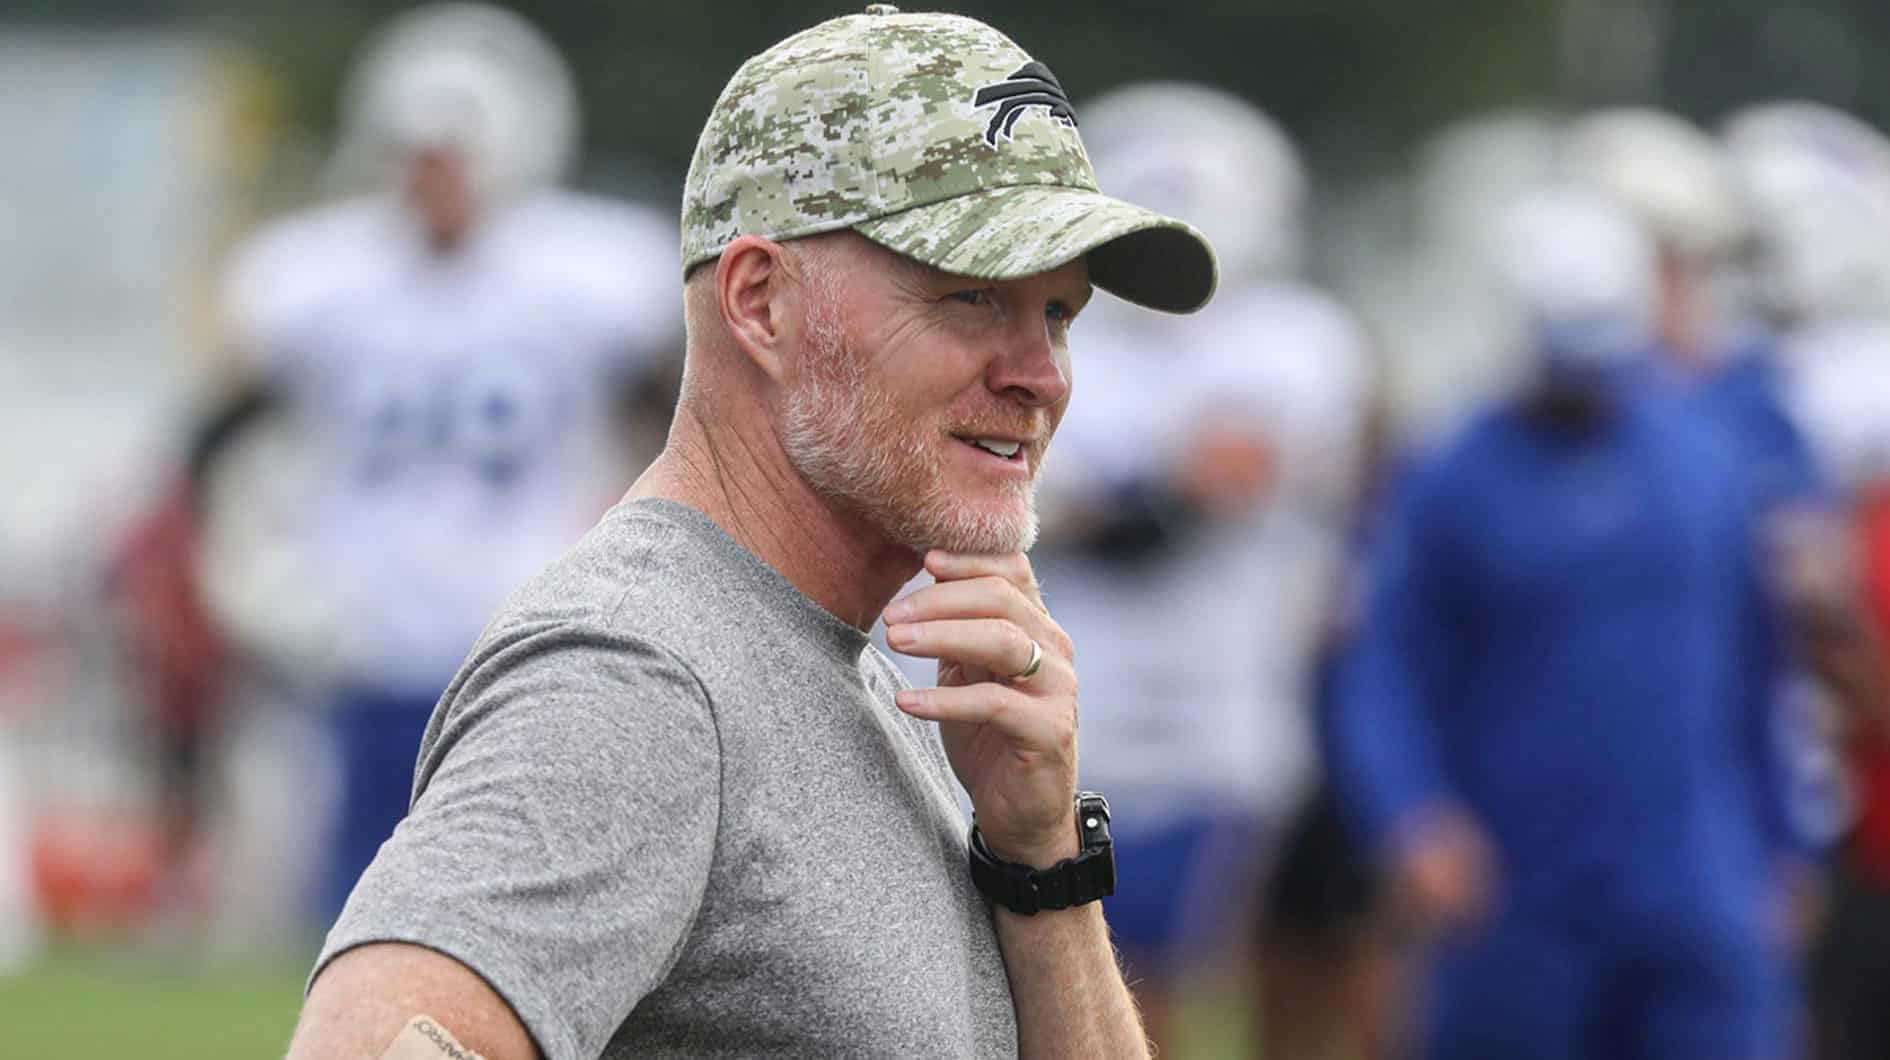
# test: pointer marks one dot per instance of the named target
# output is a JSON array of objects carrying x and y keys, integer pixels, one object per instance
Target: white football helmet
[
  {"x": 1472, "y": 166},
  {"x": 1668, "y": 174},
  {"x": 1817, "y": 182},
  {"x": 472, "y": 76},
  {"x": 1209, "y": 158}
]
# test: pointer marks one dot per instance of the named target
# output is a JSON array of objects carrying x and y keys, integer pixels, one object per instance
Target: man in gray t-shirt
[
  {"x": 666, "y": 774},
  {"x": 674, "y": 804}
]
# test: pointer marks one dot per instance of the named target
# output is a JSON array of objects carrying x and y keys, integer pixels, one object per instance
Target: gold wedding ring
[{"x": 1030, "y": 668}]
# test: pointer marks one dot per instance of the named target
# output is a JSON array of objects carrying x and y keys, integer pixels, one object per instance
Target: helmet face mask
[{"x": 469, "y": 79}]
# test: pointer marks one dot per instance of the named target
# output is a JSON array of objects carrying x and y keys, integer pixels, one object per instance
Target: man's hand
[
  {"x": 1815, "y": 565},
  {"x": 1444, "y": 872},
  {"x": 1011, "y": 742},
  {"x": 1013, "y": 745},
  {"x": 1812, "y": 557}
]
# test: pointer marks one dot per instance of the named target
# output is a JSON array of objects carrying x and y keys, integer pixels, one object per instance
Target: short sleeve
[
  {"x": 561, "y": 833},
  {"x": 284, "y": 277},
  {"x": 613, "y": 265}
]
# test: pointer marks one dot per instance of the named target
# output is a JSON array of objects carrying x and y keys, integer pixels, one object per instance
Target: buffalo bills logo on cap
[{"x": 1033, "y": 85}]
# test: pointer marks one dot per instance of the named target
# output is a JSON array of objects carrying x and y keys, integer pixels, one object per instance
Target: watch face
[{"x": 1092, "y": 820}]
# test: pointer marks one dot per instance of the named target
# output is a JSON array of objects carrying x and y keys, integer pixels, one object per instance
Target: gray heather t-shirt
[{"x": 668, "y": 809}]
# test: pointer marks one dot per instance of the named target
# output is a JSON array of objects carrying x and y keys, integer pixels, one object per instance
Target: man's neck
[{"x": 745, "y": 484}]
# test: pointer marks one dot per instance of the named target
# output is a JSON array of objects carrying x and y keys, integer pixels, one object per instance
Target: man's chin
[
  {"x": 990, "y": 525},
  {"x": 968, "y": 530}
]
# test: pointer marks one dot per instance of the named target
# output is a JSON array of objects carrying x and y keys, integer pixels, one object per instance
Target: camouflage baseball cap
[{"x": 935, "y": 136}]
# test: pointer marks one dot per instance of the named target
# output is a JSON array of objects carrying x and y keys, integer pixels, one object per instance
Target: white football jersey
[
  {"x": 1195, "y": 664},
  {"x": 461, "y": 406}
]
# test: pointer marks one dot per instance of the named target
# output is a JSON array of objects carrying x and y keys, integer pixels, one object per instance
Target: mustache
[{"x": 1035, "y": 432}]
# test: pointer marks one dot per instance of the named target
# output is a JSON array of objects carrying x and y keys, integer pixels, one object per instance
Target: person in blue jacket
[
  {"x": 1714, "y": 231},
  {"x": 1548, "y": 729}
]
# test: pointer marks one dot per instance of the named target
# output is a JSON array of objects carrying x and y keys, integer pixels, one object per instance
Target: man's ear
[{"x": 758, "y": 295}]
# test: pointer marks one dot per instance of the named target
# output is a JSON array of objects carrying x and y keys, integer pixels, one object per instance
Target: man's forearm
[{"x": 1067, "y": 987}]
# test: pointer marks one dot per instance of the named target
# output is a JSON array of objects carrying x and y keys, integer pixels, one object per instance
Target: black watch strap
[{"x": 1090, "y": 875}]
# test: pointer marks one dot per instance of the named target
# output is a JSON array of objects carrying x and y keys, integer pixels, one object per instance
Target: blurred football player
[
  {"x": 1689, "y": 196},
  {"x": 1680, "y": 185},
  {"x": 1546, "y": 730},
  {"x": 1193, "y": 515},
  {"x": 1818, "y": 185},
  {"x": 455, "y": 343},
  {"x": 177, "y": 658},
  {"x": 1673, "y": 180}
]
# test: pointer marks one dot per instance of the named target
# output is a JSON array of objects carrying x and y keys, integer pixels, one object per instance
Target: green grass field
[
  {"x": 85, "y": 1005},
  {"x": 77, "y": 1005}
]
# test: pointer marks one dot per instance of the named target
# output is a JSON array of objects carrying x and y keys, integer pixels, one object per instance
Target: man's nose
[{"x": 1032, "y": 367}]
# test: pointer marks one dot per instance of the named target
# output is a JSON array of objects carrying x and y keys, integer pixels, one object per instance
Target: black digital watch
[{"x": 1090, "y": 875}]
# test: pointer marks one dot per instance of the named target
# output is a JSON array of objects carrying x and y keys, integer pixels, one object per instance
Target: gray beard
[{"x": 863, "y": 462}]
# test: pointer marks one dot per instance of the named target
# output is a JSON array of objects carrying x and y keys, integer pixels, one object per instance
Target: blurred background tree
[{"x": 1357, "y": 80}]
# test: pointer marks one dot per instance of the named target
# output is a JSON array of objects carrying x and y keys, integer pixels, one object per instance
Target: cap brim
[{"x": 1011, "y": 232}]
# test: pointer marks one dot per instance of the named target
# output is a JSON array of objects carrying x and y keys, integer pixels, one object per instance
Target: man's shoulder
[
  {"x": 589, "y": 246},
  {"x": 299, "y": 262},
  {"x": 649, "y": 571},
  {"x": 320, "y": 240},
  {"x": 607, "y": 267},
  {"x": 581, "y": 639},
  {"x": 633, "y": 567},
  {"x": 659, "y": 579}
]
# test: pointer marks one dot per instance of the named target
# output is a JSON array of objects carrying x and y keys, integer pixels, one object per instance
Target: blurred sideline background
[{"x": 143, "y": 140}]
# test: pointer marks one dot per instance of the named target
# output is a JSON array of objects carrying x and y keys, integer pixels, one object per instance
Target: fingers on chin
[{"x": 1013, "y": 567}]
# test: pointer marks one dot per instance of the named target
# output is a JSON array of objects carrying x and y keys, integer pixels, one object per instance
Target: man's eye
[
  {"x": 1060, "y": 312},
  {"x": 978, "y": 296}
]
